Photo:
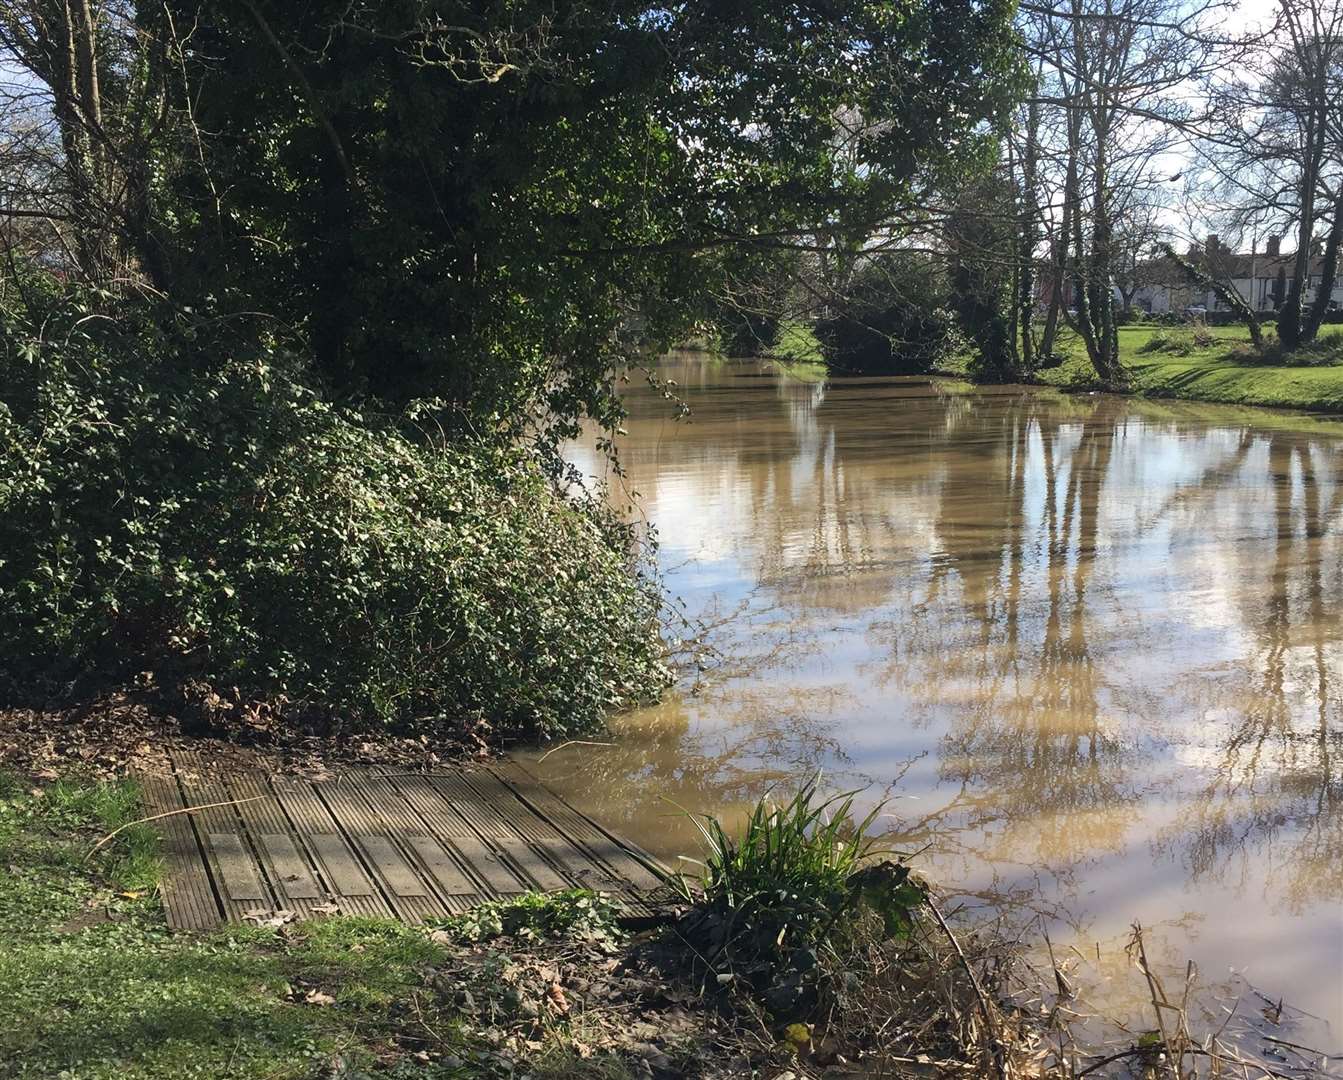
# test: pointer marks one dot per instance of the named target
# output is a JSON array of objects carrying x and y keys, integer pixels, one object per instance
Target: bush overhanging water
[{"x": 170, "y": 508}]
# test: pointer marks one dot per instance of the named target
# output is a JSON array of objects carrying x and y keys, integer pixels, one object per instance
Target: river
[{"x": 1089, "y": 648}]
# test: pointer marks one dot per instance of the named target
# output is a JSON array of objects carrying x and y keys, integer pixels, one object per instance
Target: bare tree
[
  {"x": 1274, "y": 160},
  {"x": 84, "y": 93},
  {"x": 1117, "y": 73}
]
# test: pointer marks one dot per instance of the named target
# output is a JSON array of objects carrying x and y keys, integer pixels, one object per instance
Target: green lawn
[
  {"x": 798, "y": 353},
  {"x": 1225, "y": 371}
]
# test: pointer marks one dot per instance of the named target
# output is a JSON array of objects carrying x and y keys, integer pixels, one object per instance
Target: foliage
[
  {"x": 981, "y": 231},
  {"x": 791, "y": 886},
  {"x": 170, "y": 506},
  {"x": 1176, "y": 342},
  {"x": 579, "y": 914},
  {"x": 896, "y": 320},
  {"x": 486, "y": 204}
]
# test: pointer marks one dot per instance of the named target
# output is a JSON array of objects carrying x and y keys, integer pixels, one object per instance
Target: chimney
[
  {"x": 1274, "y": 249},
  {"x": 1214, "y": 243}
]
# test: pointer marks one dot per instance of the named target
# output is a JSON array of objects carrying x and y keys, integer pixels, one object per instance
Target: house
[{"x": 1261, "y": 278}]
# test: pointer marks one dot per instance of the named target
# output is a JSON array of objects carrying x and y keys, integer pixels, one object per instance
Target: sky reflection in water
[{"x": 1091, "y": 648}]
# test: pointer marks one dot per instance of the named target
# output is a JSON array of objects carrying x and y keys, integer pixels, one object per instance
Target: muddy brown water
[{"x": 1091, "y": 650}]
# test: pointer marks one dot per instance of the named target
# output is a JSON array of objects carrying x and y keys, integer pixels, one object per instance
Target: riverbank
[
  {"x": 1223, "y": 370},
  {"x": 857, "y": 974},
  {"x": 93, "y": 985}
]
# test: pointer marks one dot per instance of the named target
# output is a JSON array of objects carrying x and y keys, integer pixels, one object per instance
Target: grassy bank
[
  {"x": 1167, "y": 362},
  {"x": 94, "y": 986}
]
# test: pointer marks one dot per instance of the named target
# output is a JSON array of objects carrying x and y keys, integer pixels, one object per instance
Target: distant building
[{"x": 1261, "y": 278}]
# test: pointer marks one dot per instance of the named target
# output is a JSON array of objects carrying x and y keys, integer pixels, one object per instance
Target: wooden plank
[
  {"x": 391, "y": 867},
  {"x": 286, "y": 865},
  {"x": 228, "y": 864},
  {"x": 636, "y": 866},
  {"x": 405, "y": 824},
  {"x": 470, "y": 805},
  {"x": 346, "y": 875},
  {"x": 320, "y": 836},
  {"x": 292, "y": 873},
  {"x": 237, "y": 867},
  {"x": 488, "y": 865},
  {"x": 482, "y": 865},
  {"x": 360, "y": 820},
  {"x": 542, "y": 874},
  {"x": 442, "y": 819},
  {"x": 189, "y": 899},
  {"x": 451, "y": 878}
]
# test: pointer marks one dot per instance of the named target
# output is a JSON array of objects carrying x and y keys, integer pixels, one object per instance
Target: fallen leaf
[{"x": 316, "y": 997}]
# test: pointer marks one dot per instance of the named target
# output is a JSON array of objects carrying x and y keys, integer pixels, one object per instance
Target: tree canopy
[{"x": 474, "y": 201}]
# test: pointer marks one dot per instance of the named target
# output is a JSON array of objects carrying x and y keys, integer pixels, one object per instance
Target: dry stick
[
  {"x": 168, "y": 813},
  {"x": 979, "y": 991},
  {"x": 571, "y": 742}
]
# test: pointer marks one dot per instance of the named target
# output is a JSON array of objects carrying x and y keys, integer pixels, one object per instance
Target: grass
[
  {"x": 797, "y": 353},
  {"x": 1224, "y": 371},
  {"x": 93, "y": 985}
]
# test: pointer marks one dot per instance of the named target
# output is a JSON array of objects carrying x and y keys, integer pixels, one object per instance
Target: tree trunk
[
  {"x": 1029, "y": 214},
  {"x": 1290, "y": 325},
  {"x": 1328, "y": 273}
]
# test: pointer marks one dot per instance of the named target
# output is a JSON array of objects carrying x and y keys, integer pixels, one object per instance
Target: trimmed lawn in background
[
  {"x": 1226, "y": 371},
  {"x": 798, "y": 353}
]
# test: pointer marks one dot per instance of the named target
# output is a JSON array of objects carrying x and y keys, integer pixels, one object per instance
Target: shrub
[
  {"x": 1178, "y": 342},
  {"x": 790, "y": 888},
  {"x": 747, "y": 333},
  {"x": 221, "y": 525},
  {"x": 897, "y": 321}
]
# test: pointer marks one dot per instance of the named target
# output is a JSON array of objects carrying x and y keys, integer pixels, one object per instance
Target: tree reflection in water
[{"x": 1092, "y": 646}]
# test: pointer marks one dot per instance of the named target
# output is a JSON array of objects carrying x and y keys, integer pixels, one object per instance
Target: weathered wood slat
[
  {"x": 352, "y": 891},
  {"x": 345, "y": 873},
  {"x": 630, "y": 862},
  {"x": 360, "y": 822},
  {"x": 530, "y": 862},
  {"x": 491, "y": 876},
  {"x": 188, "y": 897},
  {"x": 450, "y": 877},
  {"x": 241, "y": 890},
  {"x": 388, "y": 804},
  {"x": 292, "y": 873},
  {"x": 416, "y": 847},
  {"x": 487, "y": 863},
  {"x": 391, "y": 866},
  {"x": 285, "y": 864},
  {"x": 237, "y": 867}
]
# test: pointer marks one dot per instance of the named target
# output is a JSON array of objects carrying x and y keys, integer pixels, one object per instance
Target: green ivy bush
[
  {"x": 167, "y": 506},
  {"x": 897, "y": 320}
]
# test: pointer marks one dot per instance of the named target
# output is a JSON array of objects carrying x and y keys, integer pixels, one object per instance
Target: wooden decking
[{"x": 258, "y": 846}]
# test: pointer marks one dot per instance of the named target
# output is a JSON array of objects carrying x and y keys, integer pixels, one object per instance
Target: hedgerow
[{"x": 170, "y": 506}]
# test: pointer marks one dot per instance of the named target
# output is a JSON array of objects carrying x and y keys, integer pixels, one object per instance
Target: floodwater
[{"x": 1090, "y": 649}]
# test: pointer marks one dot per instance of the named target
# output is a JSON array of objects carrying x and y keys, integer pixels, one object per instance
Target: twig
[
  {"x": 989, "y": 1018},
  {"x": 168, "y": 813},
  {"x": 571, "y": 742}
]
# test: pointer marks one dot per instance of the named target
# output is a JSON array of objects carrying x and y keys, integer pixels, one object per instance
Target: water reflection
[{"x": 1090, "y": 647}]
